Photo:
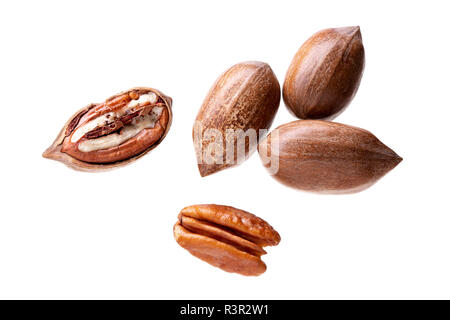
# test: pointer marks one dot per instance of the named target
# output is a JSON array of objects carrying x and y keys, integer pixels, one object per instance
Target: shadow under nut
[
  {"x": 325, "y": 74},
  {"x": 225, "y": 237}
]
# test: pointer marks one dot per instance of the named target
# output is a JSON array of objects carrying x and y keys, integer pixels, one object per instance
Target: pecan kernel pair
[{"x": 225, "y": 237}]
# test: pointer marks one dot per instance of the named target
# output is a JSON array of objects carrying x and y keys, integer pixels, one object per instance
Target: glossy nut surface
[
  {"x": 225, "y": 237},
  {"x": 326, "y": 157},
  {"x": 325, "y": 73}
]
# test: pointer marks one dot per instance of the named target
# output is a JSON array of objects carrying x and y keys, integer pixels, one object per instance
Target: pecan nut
[
  {"x": 238, "y": 108},
  {"x": 326, "y": 157},
  {"x": 115, "y": 132},
  {"x": 325, "y": 73},
  {"x": 225, "y": 237}
]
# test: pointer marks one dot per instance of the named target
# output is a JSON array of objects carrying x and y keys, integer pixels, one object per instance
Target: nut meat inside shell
[{"x": 113, "y": 133}]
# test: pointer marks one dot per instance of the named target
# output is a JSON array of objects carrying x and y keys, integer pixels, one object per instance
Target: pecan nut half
[
  {"x": 225, "y": 237},
  {"x": 115, "y": 132}
]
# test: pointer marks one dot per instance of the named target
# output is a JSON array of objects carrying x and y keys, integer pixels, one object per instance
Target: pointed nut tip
[
  {"x": 47, "y": 153},
  {"x": 350, "y": 30},
  {"x": 202, "y": 171}
]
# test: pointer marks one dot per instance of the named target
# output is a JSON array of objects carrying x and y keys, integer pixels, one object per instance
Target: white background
[{"x": 66, "y": 234}]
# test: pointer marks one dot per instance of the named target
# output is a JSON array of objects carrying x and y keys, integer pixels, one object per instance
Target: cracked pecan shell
[{"x": 113, "y": 133}]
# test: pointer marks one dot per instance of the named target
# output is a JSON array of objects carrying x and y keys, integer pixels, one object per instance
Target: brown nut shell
[
  {"x": 244, "y": 97},
  {"x": 225, "y": 237},
  {"x": 69, "y": 153},
  {"x": 326, "y": 157},
  {"x": 325, "y": 74}
]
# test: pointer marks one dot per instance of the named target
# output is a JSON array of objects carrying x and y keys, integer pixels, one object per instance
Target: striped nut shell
[{"x": 225, "y": 237}]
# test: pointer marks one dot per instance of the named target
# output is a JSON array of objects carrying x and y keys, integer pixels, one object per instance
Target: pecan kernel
[{"x": 225, "y": 237}]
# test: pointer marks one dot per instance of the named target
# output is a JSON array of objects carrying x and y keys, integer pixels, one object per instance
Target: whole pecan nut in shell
[
  {"x": 325, "y": 73},
  {"x": 326, "y": 157},
  {"x": 237, "y": 110}
]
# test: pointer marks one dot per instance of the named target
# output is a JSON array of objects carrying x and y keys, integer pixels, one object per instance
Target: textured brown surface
[
  {"x": 327, "y": 157},
  {"x": 213, "y": 231},
  {"x": 225, "y": 237},
  {"x": 125, "y": 153},
  {"x": 325, "y": 73},
  {"x": 245, "y": 96}
]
